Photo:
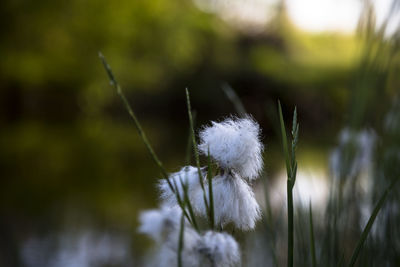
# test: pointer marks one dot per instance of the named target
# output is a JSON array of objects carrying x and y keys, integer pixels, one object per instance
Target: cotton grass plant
[
  {"x": 225, "y": 198},
  {"x": 202, "y": 207},
  {"x": 221, "y": 198}
]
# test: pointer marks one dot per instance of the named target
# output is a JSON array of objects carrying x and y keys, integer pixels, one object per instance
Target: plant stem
[
  {"x": 210, "y": 190},
  {"x": 189, "y": 141},
  {"x": 291, "y": 169},
  {"x": 290, "y": 223},
  {"x": 284, "y": 140},
  {"x": 312, "y": 240},
  {"x": 186, "y": 202},
  {"x": 181, "y": 241},
  {"x": 196, "y": 152},
  {"x": 142, "y": 134}
]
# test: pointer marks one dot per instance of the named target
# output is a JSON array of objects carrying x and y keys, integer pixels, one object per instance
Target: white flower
[
  {"x": 210, "y": 249},
  {"x": 159, "y": 224},
  {"x": 219, "y": 249},
  {"x": 235, "y": 145},
  {"x": 168, "y": 253},
  {"x": 187, "y": 175},
  {"x": 234, "y": 202},
  {"x": 163, "y": 226}
]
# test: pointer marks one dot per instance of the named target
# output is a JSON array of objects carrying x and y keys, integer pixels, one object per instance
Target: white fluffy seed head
[
  {"x": 219, "y": 249},
  {"x": 234, "y": 202},
  {"x": 167, "y": 252},
  {"x": 188, "y": 175},
  {"x": 235, "y": 144},
  {"x": 211, "y": 249},
  {"x": 159, "y": 224}
]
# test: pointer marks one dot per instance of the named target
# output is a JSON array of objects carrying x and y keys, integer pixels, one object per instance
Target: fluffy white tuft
[
  {"x": 188, "y": 175},
  {"x": 168, "y": 253},
  {"x": 219, "y": 249},
  {"x": 234, "y": 202},
  {"x": 210, "y": 249},
  {"x": 235, "y": 145},
  {"x": 159, "y": 224}
]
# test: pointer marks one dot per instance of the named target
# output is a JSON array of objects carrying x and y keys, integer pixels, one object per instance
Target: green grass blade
[
  {"x": 181, "y": 202},
  {"x": 370, "y": 222},
  {"x": 196, "y": 152},
  {"x": 295, "y": 138},
  {"x": 284, "y": 139},
  {"x": 289, "y": 188},
  {"x": 189, "y": 141},
  {"x": 142, "y": 134},
  {"x": 186, "y": 203},
  {"x": 181, "y": 241},
  {"x": 210, "y": 190},
  {"x": 290, "y": 224},
  {"x": 312, "y": 240},
  {"x": 294, "y": 123}
]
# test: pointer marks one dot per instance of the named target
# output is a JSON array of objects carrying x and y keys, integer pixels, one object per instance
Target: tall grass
[
  {"x": 345, "y": 232},
  {"x": 291, "y": 168}
]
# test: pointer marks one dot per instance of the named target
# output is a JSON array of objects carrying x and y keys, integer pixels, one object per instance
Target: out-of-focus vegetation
[{"x": 70, "y": 159}]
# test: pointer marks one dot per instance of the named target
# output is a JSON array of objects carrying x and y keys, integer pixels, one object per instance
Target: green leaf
[{"x": 284, "y": 139}]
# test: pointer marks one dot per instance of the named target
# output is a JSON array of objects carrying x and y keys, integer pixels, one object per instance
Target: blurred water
[
  {"x": 77, "y": 249},
  {"x": 311, "y": 185}
]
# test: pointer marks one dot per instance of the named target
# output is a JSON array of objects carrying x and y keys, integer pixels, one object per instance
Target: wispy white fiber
[
  {"x": 210, "y": 249},
  {"x": 218, "y": 249},
  {"x": 163, "y": 226},
  {"x": 159, "y": 224},
  {"x": 234, "y": 202},
  {"x": 187, "y": 175},
  {"x": 168, "y": 251},
  {"x": 235, "y": 144}
]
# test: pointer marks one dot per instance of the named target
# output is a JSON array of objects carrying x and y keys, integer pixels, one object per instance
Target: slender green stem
[
  {"x": 181, "y": 202},
  {"x": 181, "y": 241},
  {"x": 291, "y": 168},
  {"x": 142, "y": 134},
  {"x": 312, "y": 240},
  {"x": 284, "y": 139},
  {"x": 295, "y": 138},
  {"x": 196, "y": 152},
  {"x": 186, "y": 202},
  {"x": 370, "y": 222},
  {"x": 189, "y": 141},
  {"x": 210, "y": 190},
  {"x": 290, "y": 223}
]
